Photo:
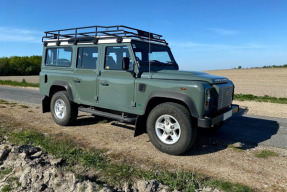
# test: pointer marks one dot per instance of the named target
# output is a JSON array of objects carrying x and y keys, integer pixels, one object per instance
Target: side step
[{"x": 119, "y": 118}]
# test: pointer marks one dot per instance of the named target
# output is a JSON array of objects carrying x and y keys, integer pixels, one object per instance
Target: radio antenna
[{"x": 149, "y": 51}]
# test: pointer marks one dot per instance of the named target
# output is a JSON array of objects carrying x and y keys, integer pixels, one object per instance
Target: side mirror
[{"x": 126, "y": 63}]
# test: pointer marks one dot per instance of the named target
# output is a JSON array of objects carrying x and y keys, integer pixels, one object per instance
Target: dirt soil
[
  {"x": 208, "y": 156},
  {"x": 260, "y": 82}
]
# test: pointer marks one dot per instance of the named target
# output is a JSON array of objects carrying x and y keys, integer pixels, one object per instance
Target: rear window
[
  {"x": 59, "y": 56},
  {"x": 87, "y": 57}
]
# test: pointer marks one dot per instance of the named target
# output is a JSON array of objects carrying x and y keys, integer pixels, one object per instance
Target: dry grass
[
  {"x": 28, "y": 79},
  {"x": 259, "y": 82}
]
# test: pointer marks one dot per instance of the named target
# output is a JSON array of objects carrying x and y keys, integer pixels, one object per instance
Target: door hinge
[
  {"x": 133, "y": 104},
  {"x": 96, "y": 98}
]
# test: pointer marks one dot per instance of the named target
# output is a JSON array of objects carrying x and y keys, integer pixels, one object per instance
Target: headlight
[
  {"x": 208, "y": 98},
  {"x": 233, "y": 92}
]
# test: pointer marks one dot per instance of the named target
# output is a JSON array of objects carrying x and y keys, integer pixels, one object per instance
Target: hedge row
[{"x": 16, "y": 65}]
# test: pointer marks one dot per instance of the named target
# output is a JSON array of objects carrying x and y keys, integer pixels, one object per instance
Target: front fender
[{"x": 175, "y": 96}]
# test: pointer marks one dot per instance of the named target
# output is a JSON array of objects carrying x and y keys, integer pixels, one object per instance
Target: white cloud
[
  {"x": 8, "y": 34},
  {"x": 224, "y": 31}
]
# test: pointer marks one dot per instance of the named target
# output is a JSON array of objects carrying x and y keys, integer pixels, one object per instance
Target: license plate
[{"x": 227, "y": 115}]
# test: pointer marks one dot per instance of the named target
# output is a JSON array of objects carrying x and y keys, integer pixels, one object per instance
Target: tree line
[
  {"x": 16, "y": 65},
  {"x": 266, "y": 66},
  {"x": 275, "y": 66}
]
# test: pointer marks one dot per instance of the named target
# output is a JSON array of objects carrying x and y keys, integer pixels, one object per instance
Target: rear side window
[
  {"x": 59, "y": 56},
  {"x": 87, "y": 57}
]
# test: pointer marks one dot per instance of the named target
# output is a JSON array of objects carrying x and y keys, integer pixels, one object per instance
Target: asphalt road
[
  {"x": 21, "y": 95},
  {"x": 249, "y": 129}
]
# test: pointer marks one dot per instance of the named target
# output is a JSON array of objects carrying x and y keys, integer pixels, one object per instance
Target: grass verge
[
  {"x": 5, "y": 104},
  {"x": 6, "y": 188},
  {"x": 4, "y": 172},
  {"x": 23, "y": 83},
  {"x": 108, "y": 170},
  {"x": 235, "y": 148},
  {"x": 265, "y": 154},
  {"x": 24, "y": 106},
  {"x": 266, "y": 98}
]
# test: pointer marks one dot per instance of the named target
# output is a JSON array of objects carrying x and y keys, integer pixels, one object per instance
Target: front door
[{"x": 116, "y": 86}]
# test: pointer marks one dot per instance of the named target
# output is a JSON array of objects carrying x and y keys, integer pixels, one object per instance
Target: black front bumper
[{"x": 208, "y": 122}]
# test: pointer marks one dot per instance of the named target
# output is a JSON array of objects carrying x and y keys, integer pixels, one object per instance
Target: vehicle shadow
[
  {"x": 123, "y": 125},
  {"x": 247, "y": 132},
  {"x": 84, "y": 120}
]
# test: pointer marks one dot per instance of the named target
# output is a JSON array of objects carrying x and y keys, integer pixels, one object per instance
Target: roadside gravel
[{"x": 264, "y": 109}]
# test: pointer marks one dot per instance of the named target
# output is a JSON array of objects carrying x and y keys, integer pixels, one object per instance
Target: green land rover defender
[{"x": 131, "y": 76}]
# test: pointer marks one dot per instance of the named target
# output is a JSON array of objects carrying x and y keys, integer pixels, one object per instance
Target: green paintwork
[
  {"x": 122, "y": 93},
  {"x": 183, "y": 75}
]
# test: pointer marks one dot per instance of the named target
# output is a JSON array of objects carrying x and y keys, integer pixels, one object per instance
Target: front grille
[{"x": 224, "y": 97}]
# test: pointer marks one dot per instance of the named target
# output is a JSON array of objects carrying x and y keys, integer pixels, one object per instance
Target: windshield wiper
[{"x": 153, "y": 61}]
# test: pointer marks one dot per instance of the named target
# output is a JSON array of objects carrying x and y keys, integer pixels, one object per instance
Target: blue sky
[{"x": 203, "y": 34}]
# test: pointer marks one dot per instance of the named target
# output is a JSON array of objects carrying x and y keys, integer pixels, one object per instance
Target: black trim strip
[{"x": 108, "y": 115}]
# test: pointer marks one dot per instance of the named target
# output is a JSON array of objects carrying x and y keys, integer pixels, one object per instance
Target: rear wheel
[
  {"x": 64, "y": 111},
  {"x": 170, "y": 128}
]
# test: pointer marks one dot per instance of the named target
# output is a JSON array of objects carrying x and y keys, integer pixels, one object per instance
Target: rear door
[
  {"x": 116, "y": 86},
  {"x": 86, "y": 74}
]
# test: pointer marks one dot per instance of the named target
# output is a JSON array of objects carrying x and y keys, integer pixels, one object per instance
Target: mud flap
[
  {"x": 46, "y": 104},
  {"x": 140, "y": 126}
]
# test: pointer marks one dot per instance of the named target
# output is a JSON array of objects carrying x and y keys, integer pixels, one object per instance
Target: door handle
[
  {"x": 105, "y": 84},
  {"x": 77, "y": 81}
]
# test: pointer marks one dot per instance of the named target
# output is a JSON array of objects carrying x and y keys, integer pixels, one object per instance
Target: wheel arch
[
  {"x": 55, "y": 87},
  {"x": 159, "y": 96},
  {"x": 61, "y": 86}
]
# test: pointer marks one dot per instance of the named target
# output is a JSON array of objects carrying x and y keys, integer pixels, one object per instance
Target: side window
[
  {"x": 114, "y": 57},
  {"x": 139, "y": 55},
  {"x": 87, "y": 57},
  {"x": 59, "y": 56}
]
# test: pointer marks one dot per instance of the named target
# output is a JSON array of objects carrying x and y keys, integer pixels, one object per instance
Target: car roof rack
[{"x": 95, "y": 33}]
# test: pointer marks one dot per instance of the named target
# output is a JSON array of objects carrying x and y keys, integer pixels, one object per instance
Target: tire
[
  {"x": 64, "y": 111},
  {"x": 170, "y": 128}
]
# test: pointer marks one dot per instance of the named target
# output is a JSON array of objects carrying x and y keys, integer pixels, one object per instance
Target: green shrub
[{"x": 16, "y": 65}]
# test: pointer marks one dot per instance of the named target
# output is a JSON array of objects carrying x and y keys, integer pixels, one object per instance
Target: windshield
[{"x": 155, "y": 54}]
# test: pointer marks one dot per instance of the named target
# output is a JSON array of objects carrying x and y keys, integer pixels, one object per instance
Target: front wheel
[
  {"x": 64, "y": 111},
  {"x": 170, "y": 128}
]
